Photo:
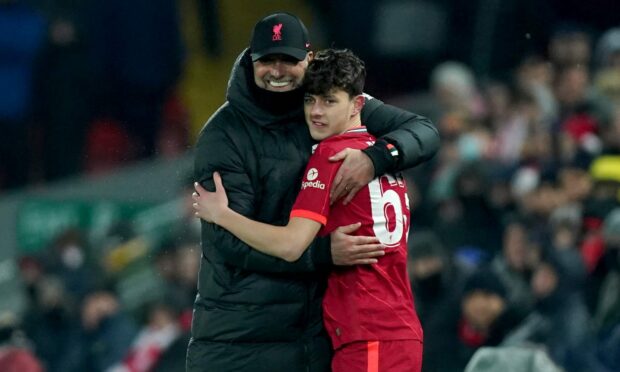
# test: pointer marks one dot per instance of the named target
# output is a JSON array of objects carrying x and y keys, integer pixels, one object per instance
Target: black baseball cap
[{"x": 280, "y": 33}]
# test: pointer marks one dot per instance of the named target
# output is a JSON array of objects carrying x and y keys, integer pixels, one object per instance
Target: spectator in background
[
  {"x": 177, "y": 263},
  {"x": 138, "y": 55},
  {"x": 560, "y": 321},
  {"x": 484, "y": 319},
  {"x": 22, "y": 36},
  {"x": 15, "y": 355},
  {"x": 210, "y": 26},
  {"x": 534, "y": 76},
  {"x": 607, "y": 315},
  {"x": 607, "y": 52},
  {"x": 108, "y": 331},
  {"x": 607, "y": 62},
  {"x": 31, "y": 272},
  {"x": 508, "y": 123},
  {"x": 437, "y": 283},
  {"x": 51, "y": 323},
  {"x": 570, "y": 45},
  {"x": 174, "y": 137},
  {"x": 454, "y": 88},
  {"x": 467, "y": 219},
  {"x": 607, "y": 351},
  {"x": 571, "y": 88},
  {"x": 187, "y": 259},
  {"x": 69, "y": 260},
  {"x": 64, "y": 90},
  {"x": 514, "y": 264},
  {"x": 152, "y": 341},
  {"x": 610, "y": 136},
  {"x": 564, "y": 237}
]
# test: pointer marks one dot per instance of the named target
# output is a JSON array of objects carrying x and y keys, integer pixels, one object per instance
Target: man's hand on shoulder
[
  {"x": 350, "y": 250},
  {"x": 356, "y": 171}
]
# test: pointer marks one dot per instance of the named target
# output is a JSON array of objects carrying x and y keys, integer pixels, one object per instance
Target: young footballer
[{"x": 367, "y": 309}]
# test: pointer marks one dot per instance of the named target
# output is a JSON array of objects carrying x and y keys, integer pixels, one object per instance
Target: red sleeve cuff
[{"x": 309, "y": 215}]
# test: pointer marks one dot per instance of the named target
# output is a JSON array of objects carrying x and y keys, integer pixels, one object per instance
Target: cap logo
[{"x": 277, "y": 32}]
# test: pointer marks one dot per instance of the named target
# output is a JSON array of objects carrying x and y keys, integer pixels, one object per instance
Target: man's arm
[
  {"x": 404, "y": 140},
  {"x": 216, "y": 150},
  {"x": 415, "y": 138}
]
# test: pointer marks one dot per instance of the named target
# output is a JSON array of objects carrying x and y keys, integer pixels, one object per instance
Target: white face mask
[{"x": 72, "y": 257}]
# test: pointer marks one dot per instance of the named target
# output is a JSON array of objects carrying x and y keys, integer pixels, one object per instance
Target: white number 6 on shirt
[{"x": 380, "y": 201}]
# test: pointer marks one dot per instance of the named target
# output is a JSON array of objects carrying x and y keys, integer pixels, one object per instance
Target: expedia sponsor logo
[{"x": 316, "y": 184}]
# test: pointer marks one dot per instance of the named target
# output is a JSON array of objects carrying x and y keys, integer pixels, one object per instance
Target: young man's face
[
  {"x": 280, "y": 73},
  {"x": 332, "y": 113}
]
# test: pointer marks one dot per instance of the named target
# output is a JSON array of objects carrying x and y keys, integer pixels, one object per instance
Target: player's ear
[{"x": 358, "y": 104}]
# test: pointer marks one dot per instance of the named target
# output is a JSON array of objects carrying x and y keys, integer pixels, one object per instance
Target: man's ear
[
  {"x": 310, "y": 56},
  {"x": 358, "y": 104}
]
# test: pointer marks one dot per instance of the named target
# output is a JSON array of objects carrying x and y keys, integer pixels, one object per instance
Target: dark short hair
[
  {"x": 335, "y": 68},
  {"x": 485, "y": 280}
]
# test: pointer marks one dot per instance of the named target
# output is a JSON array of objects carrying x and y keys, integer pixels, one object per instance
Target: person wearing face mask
[
  {"x": 607, "y": 312},
  {"x": 560, "y": 321},
  {"x": 255, "y": 312},
  {"x": 437, "y": 282}
]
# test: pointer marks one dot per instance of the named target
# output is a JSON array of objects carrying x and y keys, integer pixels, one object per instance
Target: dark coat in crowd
[
  {"x": 560, "y": 320},
  {"x": 106, "y": 345},
  {"x": 22, "y": 35}
]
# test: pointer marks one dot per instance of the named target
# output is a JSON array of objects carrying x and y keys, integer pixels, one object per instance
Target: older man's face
[{"x": 280, "y": 73}]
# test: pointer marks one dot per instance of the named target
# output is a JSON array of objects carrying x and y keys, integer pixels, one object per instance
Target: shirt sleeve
[{"x": 313, "y": 199}]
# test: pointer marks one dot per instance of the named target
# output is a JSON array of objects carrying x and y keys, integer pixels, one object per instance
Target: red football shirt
[{"x": 363, "y": 302}]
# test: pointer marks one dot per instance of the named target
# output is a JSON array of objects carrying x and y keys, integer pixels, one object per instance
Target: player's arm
[
  {"x": 286, "y": 242},
  {"x": 216, "y": 150}
]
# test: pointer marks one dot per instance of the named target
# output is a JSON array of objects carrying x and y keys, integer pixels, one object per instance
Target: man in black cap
[{"x": 255, "y": 312}]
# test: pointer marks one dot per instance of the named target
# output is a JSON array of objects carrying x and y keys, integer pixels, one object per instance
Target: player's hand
[
  {"x": 350, "y": 250},
  {"x": 210, "y": 205},
  {"x": 355, "y": 172}
]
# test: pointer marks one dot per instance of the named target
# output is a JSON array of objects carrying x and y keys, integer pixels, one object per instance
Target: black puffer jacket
[{"x": 255, "y": 312}]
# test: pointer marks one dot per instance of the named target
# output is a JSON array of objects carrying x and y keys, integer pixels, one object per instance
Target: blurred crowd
[
  {"x": 515, "y": 223},
  {"x": 123, "y": 303},
  {"x": 87, "y": 86}
]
